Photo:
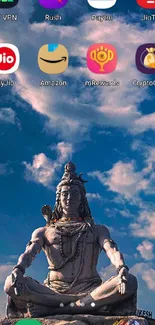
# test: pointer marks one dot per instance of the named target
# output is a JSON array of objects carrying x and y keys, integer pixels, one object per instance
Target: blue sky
[{"x": 107, "y": 132}]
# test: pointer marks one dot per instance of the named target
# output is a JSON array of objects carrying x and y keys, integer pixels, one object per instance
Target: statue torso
[{"x": 56, "y": 246}]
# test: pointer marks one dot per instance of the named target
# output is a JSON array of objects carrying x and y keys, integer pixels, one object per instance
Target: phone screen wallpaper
[{"x": 74, "y": 88}]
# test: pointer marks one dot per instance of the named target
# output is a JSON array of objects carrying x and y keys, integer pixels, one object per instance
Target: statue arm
[
  {"x": 32, "y": 249},
  {"x": 110, "y": 248}
]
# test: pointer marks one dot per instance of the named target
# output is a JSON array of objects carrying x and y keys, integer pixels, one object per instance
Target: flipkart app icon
[
  {"x": 102, "y": 4},
  {"x": 53, "y": 58}
]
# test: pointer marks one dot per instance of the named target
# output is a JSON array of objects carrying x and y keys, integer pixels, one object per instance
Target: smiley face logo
[{"x": 53, "y": 58}]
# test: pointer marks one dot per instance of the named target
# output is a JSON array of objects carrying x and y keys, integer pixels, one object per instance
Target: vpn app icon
[
  {"x": 101, "y": 58},
  {"x": 53, "y": 4},
  {"x": 147, "y": 4},
  {"x": 145, "y": 58},
  {"x": 102, "y": 4},
  {"x": 9, "y": 58},
  {"x": 53, "y": 58},
  {"x": 8, "y": 3}
]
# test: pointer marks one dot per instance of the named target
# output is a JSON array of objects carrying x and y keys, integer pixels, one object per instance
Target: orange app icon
[{"x": 102, "y": 58}]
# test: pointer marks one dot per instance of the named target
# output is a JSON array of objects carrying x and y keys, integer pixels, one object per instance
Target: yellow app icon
[
  {"x": 102, "y": 4},
  {"x": 53, "y": 58}
]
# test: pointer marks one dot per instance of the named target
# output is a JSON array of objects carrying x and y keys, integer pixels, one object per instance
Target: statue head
[{"x": 71, "y": 197}]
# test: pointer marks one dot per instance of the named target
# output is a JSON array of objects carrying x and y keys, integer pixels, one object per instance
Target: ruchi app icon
[
  {"x": 9, "y": 58},
  {"x": 102, "y": 4},
  {"x": 53, "y": 58},
  {"x": 8, "y": 3},
  {"x": 53, "y": 4},
  {"x": 101, "y": 58},
  {"x": 145, "y": 58},
  {"x": 147, "y": 4}
]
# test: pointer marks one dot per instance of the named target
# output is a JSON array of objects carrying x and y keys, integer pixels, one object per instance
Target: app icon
[
  {"x": 101, "y": 58},
  {"x": 53, "y": 4},
  {"x": 8, "y": 3},
  {"x": 53, "y": 58},
  {"x": 28, "y": 322},
  {"x": 9, "y": 58},
  {"x": 102, "y": 4},
  {"x": 145, "y": 58},
  {"x": 147, "y": 4}
]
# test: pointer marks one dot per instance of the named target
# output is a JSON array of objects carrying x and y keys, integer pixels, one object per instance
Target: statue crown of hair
[{"x": 70, "y": 177}]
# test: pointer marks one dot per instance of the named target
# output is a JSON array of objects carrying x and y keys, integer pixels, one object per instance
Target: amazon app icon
[{"x": 53, "y": 58}]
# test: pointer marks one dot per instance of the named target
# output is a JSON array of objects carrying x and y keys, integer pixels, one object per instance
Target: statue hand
[
  {"x": 123, "y": 278},
  {"x": 18, "y": 282}
]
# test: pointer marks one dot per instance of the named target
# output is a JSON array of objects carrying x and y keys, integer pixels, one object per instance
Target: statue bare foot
[
  {"x": 12, "y": 311},
  {"x": 35, "y": 310}
]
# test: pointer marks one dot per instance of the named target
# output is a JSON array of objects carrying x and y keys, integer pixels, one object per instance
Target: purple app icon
[
  {"x": 145, "y": 58},
  {"x": 53, "y": 4}
]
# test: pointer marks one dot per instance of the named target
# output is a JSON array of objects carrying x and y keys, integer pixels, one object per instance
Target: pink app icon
[{"x": 102, "y": 58}]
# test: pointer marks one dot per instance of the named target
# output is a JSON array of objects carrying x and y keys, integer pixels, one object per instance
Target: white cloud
[
  {"x": 122, "y": 179},
  {"x": 94, "y": 196},
  {"x": 144, "y": 225},
  {"x": 64, "y": 151},
  {"x": 146, "y": 250},
  {"x": 144, "y": 123},
  {"x": 107, "y": 272},
  {"x": 146, "y": 272},
  {"x": 43, "y": 169}
]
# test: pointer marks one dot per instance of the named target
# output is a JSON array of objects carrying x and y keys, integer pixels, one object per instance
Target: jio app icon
[
  {"x": 102, "y": 4},
  {"x": 53, "y": 4},
  {"x": 8, "y": 3}
]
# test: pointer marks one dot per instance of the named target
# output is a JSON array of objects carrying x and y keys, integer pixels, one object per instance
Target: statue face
[{"x": 70, "y": 199}]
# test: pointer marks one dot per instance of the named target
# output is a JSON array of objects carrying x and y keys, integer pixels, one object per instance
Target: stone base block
[{"x": 82, "y": 320}]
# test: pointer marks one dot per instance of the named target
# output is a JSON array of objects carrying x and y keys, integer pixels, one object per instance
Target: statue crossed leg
[{"x": 40, "y": 299}]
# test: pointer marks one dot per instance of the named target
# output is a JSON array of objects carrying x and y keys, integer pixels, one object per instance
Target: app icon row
[
  {"x": 98, "y": 4},
  {"x": 101, "y": 58}
]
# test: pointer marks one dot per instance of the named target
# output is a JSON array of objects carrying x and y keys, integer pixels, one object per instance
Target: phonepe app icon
[
  {"x": 8, "y": 3},
  {"x": 9, "y": 58},
  {"x": 102, "y": 4}
]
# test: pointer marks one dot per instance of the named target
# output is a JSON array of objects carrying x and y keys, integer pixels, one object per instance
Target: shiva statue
[{"x": 72, "y": 243}]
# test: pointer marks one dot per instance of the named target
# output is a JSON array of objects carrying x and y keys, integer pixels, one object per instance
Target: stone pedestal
[{"x": 84, "y": 320}]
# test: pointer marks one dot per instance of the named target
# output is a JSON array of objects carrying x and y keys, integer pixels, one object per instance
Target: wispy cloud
[
  {"x": 107, "y": 272},
  {"x": 144, "y": 226},
  {"x": 122, "y": 179},
  {"x": 43, "y": 169},
  {"x": 94, "y": 196},
  {"x": 146, "y": 250},
  {"x": 146, "y": 272},
  {"x": 5, "y": 169},
  {"x": 5, "y": 270},
  {"x": 8, "y": 115}
]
